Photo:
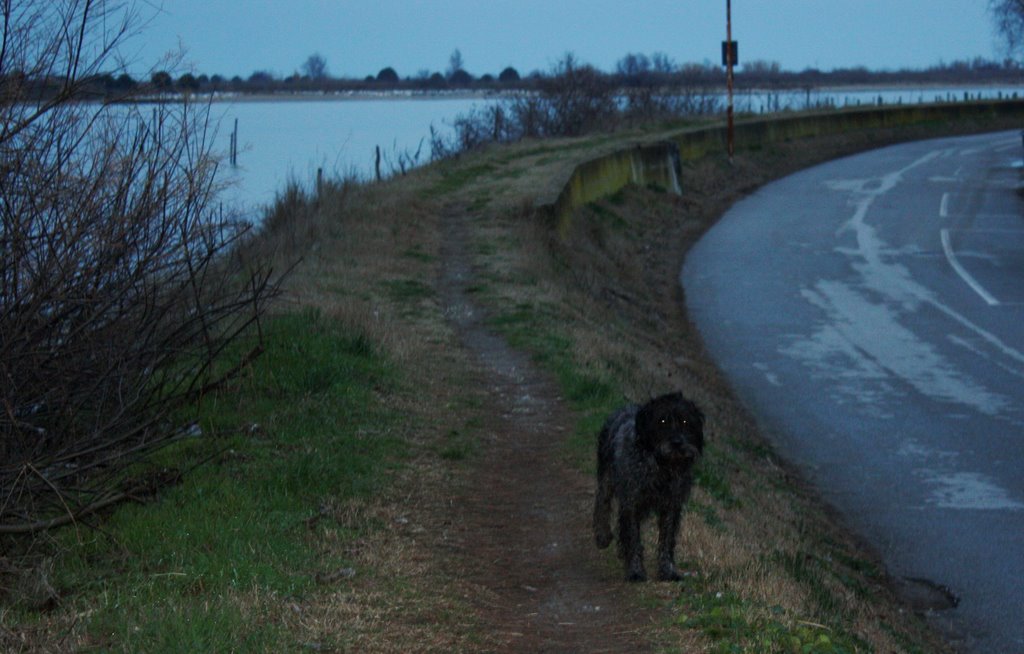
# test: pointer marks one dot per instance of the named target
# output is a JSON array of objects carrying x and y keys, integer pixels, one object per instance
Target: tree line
[{"x": 634, "y": 70}]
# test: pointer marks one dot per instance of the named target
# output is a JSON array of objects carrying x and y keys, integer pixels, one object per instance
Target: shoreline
[{"x": 493, "y": 94}]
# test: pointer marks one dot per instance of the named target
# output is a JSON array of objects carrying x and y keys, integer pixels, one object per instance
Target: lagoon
[
  {"x": 288, "y": 140},
  {"x": 284, "y": 140}
]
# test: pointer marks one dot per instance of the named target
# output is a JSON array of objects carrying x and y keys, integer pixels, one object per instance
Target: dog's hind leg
[{"x": 631, "y": 547}]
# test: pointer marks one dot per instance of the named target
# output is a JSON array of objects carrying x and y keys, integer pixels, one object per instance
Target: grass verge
[
  {"x": 602, "y": 311},
  {"x": 315, "y": 519},
  {"x": 214, "y": 565}
]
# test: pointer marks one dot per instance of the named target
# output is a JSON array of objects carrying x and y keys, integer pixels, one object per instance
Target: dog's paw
[
  {"x": 636, "y": 575},
  {"x": 603, "y": 538}
]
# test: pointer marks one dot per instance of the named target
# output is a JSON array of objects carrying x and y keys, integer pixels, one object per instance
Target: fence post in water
[
  {"x": 498, "y": 115},
  {"x": 377, "y": 164},
  {"x": 319, "y": 183},
  {"x": 234, "y": 145}
]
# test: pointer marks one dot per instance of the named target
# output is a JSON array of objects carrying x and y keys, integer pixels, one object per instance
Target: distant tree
[
  {"x": 124, "y": 82},
  {"x": 460, "y": 78},
  {"x": 261, "y": 77},
  {"x": 106, "y": 80},
  {"x": 510, "y": 74},
  {"x": 387, "y": 75},
  {"x": 188, "y": 82},
  {"x": 437, "y": 81},
  {"x": 315, "y": 67},
  {"x": 662, "y": 64},
  {"x": 762, "y": 67},
  {"x": 454, "y": 63},
  {"x": 1008, "y": 16},
  {"x": 161, "y": 79},
  {"x": 632, "y": 66}
]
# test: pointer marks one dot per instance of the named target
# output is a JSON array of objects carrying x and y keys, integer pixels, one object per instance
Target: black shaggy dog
[{"x": 645, "y": 457}]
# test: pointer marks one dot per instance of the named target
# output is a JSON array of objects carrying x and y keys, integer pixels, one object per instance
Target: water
[{"x": 288, "y": 140}]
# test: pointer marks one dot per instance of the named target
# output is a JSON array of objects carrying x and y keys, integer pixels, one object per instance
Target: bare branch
[{"x": 119, "y": 297}]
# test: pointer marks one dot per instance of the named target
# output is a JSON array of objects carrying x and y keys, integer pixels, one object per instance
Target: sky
[{"x": 360, "y": 37}]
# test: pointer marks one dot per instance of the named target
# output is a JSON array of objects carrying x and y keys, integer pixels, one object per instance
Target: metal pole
[{"x": 728, "y": 73}]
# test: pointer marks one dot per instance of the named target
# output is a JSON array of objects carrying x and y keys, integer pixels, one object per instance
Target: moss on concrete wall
[{"x": 659, "y": 163}]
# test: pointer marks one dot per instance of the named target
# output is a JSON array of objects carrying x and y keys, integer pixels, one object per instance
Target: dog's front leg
[
  {"x": 630, "y": 545},
  {"x": 668, "y": 528}
]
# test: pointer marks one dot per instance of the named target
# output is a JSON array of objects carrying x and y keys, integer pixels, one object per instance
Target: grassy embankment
[{"x": 307, "y": 513}]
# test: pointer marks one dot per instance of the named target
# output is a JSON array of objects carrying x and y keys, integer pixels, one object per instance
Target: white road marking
[
  {"x": 947, "y": 248},
  {"x": 944, "y": 206},
  {"x": 968, "y": 491},
  {"x": 868, "y": 333}
]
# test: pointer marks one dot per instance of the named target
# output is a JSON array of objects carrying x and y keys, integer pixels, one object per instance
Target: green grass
[
  {"x": 186, "y": 573},
  {"x": 713, "y": 478},
  {"x": 736, "y": 625},
  {"x": 607, "y": 216},
  {"x": 416, "y": 253},
  {"x": 591, "y": 393},
  {"x": 455, "y": 177},
  {"x": 404, "y": 290}
]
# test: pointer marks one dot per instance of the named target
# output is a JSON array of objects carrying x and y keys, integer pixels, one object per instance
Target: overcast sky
[{"x": 359, "y": 37}]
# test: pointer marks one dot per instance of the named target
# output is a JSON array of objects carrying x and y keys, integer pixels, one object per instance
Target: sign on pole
[{"x": 730, "y": 53}]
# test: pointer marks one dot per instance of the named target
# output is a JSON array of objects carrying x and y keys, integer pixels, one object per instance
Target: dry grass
[
  {"x": 610, "y": 288},
  {"x": 755, "y": 533},
  {"x": 370, "y": 258}
]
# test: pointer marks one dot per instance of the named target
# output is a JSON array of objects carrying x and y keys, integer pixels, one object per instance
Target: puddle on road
[{"x": 967, "y": 491}]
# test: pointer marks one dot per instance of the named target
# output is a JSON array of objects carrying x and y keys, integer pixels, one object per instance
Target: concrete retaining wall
[{"x": 660, "y": 163}]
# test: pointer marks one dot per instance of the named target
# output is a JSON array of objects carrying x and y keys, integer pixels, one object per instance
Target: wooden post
[
  {"x": 498, "y": 115},
  {"x": 234, "y": 145},
  {"x": 377, "y": 164}
]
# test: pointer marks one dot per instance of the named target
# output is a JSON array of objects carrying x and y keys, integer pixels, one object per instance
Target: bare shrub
[
  {"x": 580, "y": 98},
  {"x": 1008, "y": 16},
  {"x": 575, "y": 99},
  {"x": 116, "y": 300}
]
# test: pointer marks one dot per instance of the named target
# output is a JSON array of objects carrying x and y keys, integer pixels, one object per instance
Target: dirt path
[{"x": 521, "y": 529}]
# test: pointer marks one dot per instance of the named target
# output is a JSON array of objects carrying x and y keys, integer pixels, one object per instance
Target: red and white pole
[{"x": 728, "y": 73}]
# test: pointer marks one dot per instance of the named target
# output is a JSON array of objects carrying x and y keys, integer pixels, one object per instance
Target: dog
[{"x": 645, "y": 458}]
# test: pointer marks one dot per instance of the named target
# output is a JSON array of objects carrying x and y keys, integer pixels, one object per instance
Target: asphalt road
[{"x": 870, "y": 313}]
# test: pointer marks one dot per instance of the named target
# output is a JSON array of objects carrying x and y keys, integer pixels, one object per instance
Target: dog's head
[{"x": 671, "y": 427}]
